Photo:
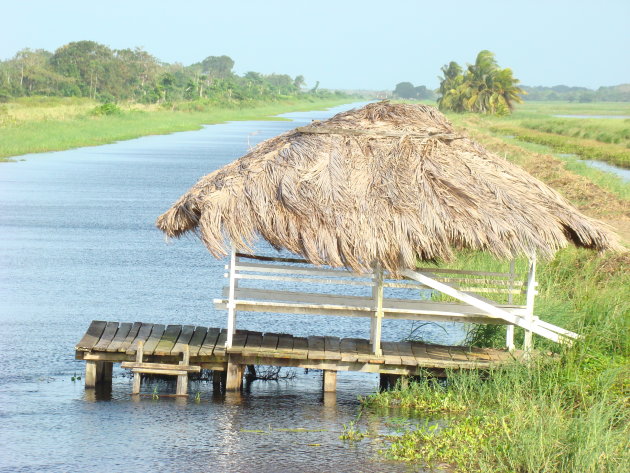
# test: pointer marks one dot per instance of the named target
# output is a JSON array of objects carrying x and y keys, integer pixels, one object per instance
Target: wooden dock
[{"x": 106, "y": 343}]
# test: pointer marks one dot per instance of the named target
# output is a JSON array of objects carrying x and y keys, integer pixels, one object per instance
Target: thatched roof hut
[{"x": 386, "y": 183}]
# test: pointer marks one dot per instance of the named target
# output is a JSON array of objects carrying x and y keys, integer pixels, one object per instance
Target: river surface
[{"x": 79, "y": 243}]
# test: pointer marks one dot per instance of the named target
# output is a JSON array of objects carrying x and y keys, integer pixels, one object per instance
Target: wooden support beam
[
  {"x": 137, "y": 377},
  {"x": 376, "y": 322},
  {"x": 509, "y": 334},
  {"x": 234, "y": 379},
  {"x": 231, "y": 305},
  {"x": 329, "y": 381},
  {"x": 529, "y": 305},
  {"x": 182, "y": 379}
]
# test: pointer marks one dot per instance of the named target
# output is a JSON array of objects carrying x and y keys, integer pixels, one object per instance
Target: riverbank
[
  {"x": 566, "y": 416},
  {"x": 38, "y": 128}
]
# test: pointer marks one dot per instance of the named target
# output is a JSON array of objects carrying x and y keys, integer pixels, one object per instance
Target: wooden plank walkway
[{"x": 117, "y": 342}]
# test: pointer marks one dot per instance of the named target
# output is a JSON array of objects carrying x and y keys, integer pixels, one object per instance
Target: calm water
[{"x": 79, "y": 243}]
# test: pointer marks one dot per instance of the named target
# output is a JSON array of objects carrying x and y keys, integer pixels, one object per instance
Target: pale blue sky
[{"x": 346, "y": 44}]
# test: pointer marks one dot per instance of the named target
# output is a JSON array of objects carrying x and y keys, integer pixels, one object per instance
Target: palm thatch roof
[{"x": 386, "y": 183}]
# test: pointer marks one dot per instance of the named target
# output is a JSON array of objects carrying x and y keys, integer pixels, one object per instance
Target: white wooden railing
[{"x": 467, "y": 288}]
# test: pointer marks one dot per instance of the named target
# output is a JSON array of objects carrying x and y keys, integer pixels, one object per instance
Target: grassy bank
[
  {"x": 567, "y": 414},
  {"x": 37, "y": 127}
]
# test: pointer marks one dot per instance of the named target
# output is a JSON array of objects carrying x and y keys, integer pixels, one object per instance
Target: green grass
[
  {"x": 586, "y": 148},
  {"x": 85, "y": 129},
  {"x": 567, "y": 414},
  {"x": 612, "y": 131}
]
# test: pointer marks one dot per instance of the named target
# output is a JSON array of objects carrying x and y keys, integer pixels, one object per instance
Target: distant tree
[
  {"x": 405, "y": 90},
  {"x": 219, "y": 67},
  {"x": 483, "y": 88}
]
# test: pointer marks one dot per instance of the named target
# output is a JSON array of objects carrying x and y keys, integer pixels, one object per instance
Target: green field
[{"x": 35, "y": 126}]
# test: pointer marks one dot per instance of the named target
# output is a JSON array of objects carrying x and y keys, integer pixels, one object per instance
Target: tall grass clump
[{"x": 563, "y": 413}]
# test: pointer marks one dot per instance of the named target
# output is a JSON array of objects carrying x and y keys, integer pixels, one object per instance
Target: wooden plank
[
  {"x": 390, "y": 353},
  {"x": 143, "y": 335},
  {"x": 364, "y": 353},
  {"x": 482, "y": 305},
  {"x": 168, "y": 340},
  {"x": 252, "y": 346},
  {"x": 300, "y": 348},
  {"x": 133, "y": 333},
  {"x": 196, "y": 341},
  {"x": 348, "y": 349},
  {"x": 266, "y": 277},
  {"x": 108, "y": 335},
  {"x": 121, "y": 336},
  {"x": 269, "y": 342},
  {"x": 156, "y": 334},
  {"x": 406, "y": 354},
  {"x": 92, "y": 335},
  {"x": 316, "y": 348},
  {"x": 162, "y": 372},
  {"x": 285, "y": 345},
  {"x": 160, "y": 366},
  {"x": 332, "y": 347},
  {"x": 438, "y": 352},
  {"x": 271, "y": 258},
  {"x": 183, "y": 340},
  {"x": 219, "y": 347},
  {"x": 210, "y": 342},
  {"x": 303, "y": 270},
  {"x": 238, "y": 342},
  {"x": 419, "y": 351}
]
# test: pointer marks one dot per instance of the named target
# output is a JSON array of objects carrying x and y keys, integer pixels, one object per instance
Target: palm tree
[{"x": 484, "y": 88}]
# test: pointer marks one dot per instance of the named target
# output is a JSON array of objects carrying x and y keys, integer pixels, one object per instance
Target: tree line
[{"x": 90, "y": 69}]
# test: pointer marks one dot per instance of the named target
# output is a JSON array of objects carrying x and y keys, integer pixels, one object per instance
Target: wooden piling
[
  {"x": 234, "y": 379},
  {"x": 330, "y": 381}
]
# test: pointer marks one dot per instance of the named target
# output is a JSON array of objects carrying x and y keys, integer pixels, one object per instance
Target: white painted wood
[
  {"x": 266, "y": 277},
  {"x": 529, "y": 305},
  {"x": 482, "y": 305},
  {"x": 509, "y": 333},
  {"x": 283, "y": 269},
  {"x": 231, "y": 306},
  {"x": 376, "y": 323}
]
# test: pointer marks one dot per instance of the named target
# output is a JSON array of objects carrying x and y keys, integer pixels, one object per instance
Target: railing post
[
  {"x": 376, "y": 320},
  {"x": 231, "y": 305},
  {"x": 529, "y": 304},
  {"x": 509, "y": 336}
]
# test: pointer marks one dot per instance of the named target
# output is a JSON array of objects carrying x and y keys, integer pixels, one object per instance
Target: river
[{"x": 79, "y": 243}]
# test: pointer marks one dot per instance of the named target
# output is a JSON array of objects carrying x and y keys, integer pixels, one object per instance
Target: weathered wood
[
  {"x": 108, "y": 335},
  {"x": 332, "y": 348},
  {"x": 121, "y": 336},
  {"x": 133, "y": 333},
  {"x": 160, "y": 366},
  {"x": 183, "y": 340},
  {"x": 137, "y": 377},
  {"x": 269, "y": 342},
  {"x": 158, "y": 371},
  {"x": 210, "y": 342},
  {"x": 390, "y": 353},
  {"x": 92, "y": 336},
  {"x": 300, "y": 347},
  {"x": 156, "y": 335},
  {"x": 329, "y": 381},
  {"x": 90, "y": 374},
  {"x": 182, "y": 379},
  {"x": 348, "y": 349},
  {"x": 238, "y": 342},
  {"x": 168, "y": 340},
  {"x": 234, "y": 379},
  {"x": 316, "y": 348},
  {"x": 197, "y": 339},
  {"x": 219, "y": 347},
  {"x": 252, "y": 346},
  {"x": 143, "y": 335}
]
